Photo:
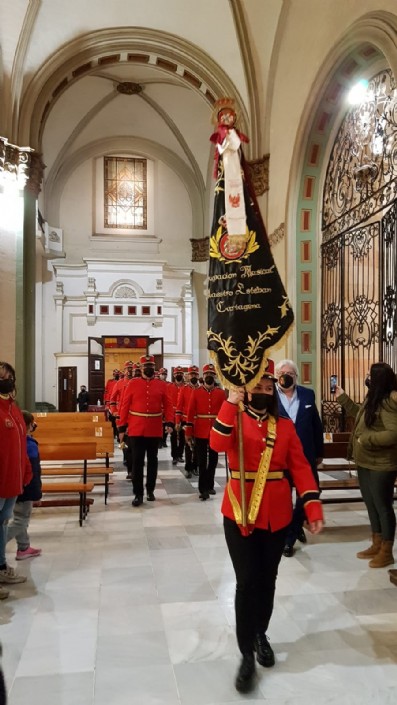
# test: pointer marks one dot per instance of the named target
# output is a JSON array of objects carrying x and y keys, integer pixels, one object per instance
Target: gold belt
[
  {"x": 250, "y": 475},
  {"x": 138, "y": 413},
  {"x": 205, "y": 416}
]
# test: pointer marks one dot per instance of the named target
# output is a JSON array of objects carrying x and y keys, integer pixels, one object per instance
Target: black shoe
[
  {"x": 195, "y": 471},
  {"x": 174, "y": 461},
  {"x": 302, "y": 536},
  {"x": 264, "y": 652},
  {"x": 288, "y": 551},
  {"x": 151, "y": 497},
  {"x": 204, "y": 496},
  {"x": 212, "y": 491},
  {"x": 246, "y": 674},
  {"x": 128, "y": 476},
  {"x": 137, "y": 501},
  {"x": 188, "y": 475}
]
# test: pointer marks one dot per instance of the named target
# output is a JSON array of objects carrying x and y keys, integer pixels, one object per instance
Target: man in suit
[{"x": 299, "y": 404}]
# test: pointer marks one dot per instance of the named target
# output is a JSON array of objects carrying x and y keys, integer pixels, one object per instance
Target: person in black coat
[
  {"x": 18, "y": 526},
  {"x": 299, "y": 404},
  {"x": 83, "y": 398}
]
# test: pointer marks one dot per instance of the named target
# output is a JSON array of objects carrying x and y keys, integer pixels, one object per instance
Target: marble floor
[{"x": 136, "y": 607}]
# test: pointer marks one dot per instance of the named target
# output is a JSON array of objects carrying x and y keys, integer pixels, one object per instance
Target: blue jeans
[{"x": 6, "y": 510}]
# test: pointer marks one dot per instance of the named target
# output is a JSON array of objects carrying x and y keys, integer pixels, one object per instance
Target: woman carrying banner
[{"x": 271, "y": 447}]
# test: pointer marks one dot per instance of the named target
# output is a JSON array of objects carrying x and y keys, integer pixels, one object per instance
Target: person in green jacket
[{"x": 374, "y": 451}]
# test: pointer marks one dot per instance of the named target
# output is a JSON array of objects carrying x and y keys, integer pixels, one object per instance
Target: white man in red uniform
[
  {"x": 110, "y": 384},
  {"x": 204, "y": 405},
  {"x": 143, "y": 406},
  {"x": 115, "y": 401},
  {"x": 177, "y": 435},
  {"x": 182, "y": 406}
]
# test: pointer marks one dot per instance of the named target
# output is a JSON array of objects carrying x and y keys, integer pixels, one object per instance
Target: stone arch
[
  {"x": 368, "y": 45},
  {"x": 120, "y": 284},
  {"x": 166, "y": 52}
]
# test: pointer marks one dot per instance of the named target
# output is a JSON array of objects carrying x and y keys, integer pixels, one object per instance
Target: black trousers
[
  {"x": 207, "y": 460},
  {"x": 255, "y": 561},
  {"x": 129, "y": 455},
  {"x": 377, "y": 489},
  {"x": 177, "y": 443},
  {"x": 141, "y": 445},
  {"x": 190, "y": 458}
]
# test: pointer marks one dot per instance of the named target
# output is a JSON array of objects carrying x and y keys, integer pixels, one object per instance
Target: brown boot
[
  {"x": 373, "y": 549},
  {"x": 384, "y": 557},
  {"x": 393, "y": 576}
]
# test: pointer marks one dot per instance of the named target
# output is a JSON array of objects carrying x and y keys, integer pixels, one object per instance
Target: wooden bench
[
  {"x": 343, "y": 483},
  {"x": 80, "y": 488},
  {"x": 65, "y": 471},
  {"x": 65, "y": 451},
  {"x": 49, "y": 430}
]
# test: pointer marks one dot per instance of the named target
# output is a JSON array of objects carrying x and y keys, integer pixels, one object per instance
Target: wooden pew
[
  {"x": 64, "y": 451},
  {"x": 49, "y": 429},
  {"x": 92, "y": 472}
]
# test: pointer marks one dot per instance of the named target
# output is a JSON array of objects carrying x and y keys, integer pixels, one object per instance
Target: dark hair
[
  {"x": 9, "y": 368},
  {"x": 382, "y": 382},
  {"x": 27, "y": 417}
]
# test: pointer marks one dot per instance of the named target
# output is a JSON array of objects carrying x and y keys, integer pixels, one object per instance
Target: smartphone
[{"x": 333, "y": 382}]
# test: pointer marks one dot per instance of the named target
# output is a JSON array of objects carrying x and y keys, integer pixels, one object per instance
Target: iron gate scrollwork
[{"x": 359, "y": 264}]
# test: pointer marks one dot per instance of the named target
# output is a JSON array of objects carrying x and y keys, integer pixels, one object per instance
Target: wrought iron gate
[{"x": 359, "y": 247}]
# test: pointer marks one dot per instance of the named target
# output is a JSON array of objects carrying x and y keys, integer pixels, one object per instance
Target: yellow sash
[{"x": 260, "y": 479}]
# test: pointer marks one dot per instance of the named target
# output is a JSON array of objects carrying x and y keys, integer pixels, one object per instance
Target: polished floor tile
[{"x": 138, "y": 607}]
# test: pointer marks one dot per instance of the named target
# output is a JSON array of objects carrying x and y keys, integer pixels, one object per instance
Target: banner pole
[{"x": 241, "y": 469}]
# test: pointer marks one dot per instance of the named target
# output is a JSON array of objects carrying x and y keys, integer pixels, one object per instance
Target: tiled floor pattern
[{"x": 136, "y": 607}]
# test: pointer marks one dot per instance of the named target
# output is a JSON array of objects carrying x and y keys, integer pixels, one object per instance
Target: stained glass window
[{"x": 125, "y": 193}]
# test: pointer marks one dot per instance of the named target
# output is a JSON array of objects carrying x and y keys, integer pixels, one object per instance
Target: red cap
[
  {"x": 115, "y": 372},
  {"x": 128, "y": 364},
  {"x": 163, "y": 371},
  {"x": 209, "y": 369},
  {"x": 136, "y": 366},
  {"x": 178, "y": 370},
  {"x": 147, "y": 360},
  {"x": 193, "y": 370},
  {"x": 269, "y": 372}
]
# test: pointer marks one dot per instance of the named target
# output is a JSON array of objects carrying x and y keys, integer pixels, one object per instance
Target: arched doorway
[{"x": 358, "y": 251}]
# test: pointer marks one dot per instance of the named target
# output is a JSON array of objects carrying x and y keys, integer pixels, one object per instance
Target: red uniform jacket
[
  {"x": 15, "y": 467},
  {"x": 108, "y": 390},
  {"x": 174, "y": 390},
  {"x": 144, "y": 403},
  {"x": 202, "y": 411},
  {"x": 117, "y": 393},
  {"x": 182, "y": 403},
  {"x": 275, "y": 511}
]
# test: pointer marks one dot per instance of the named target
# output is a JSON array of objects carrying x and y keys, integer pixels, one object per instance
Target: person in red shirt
[
  {"x": 177, "y": 435},
  {"x": 15, "y": 468},
  {"x": 182, "y": 406},
  {"x": 204, "y": 405},
  {"x": 107, "y": 397},
  {"x": 115, "y": 402},
  {"x": 271, "y": 447},
  {"x": 163, "y": 372},
  {"x": 142, "y": 408}
]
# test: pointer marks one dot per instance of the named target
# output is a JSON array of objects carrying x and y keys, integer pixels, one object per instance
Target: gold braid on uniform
[{"x": 260, "y": 480}]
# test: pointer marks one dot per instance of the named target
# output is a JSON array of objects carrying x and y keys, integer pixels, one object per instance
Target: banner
[{"x": 248, "y": 307}]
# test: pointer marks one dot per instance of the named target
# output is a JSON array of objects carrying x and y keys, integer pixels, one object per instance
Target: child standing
[{"x": 18, "y": 526}]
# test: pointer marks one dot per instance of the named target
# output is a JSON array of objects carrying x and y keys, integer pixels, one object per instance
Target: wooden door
[
  {"x": 96, "y": 370},
  {"x": 67, "y": 388}
]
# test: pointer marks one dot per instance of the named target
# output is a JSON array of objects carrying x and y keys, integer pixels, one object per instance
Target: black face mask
[
  {"x": 367, "y": 382},
  {"x": 261, "y": 402},
  {"x": 286, "y": 381},
  {"x": 149, "y": 371},
  {"x": 179, "y": 378},
  {"x": 209, "y": 381},
  {"x": 7, "y": 386},
  {"x": 194, "y": 380}
]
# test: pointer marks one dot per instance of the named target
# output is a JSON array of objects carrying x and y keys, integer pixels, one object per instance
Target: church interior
[{"x": 137, "y": 606}]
